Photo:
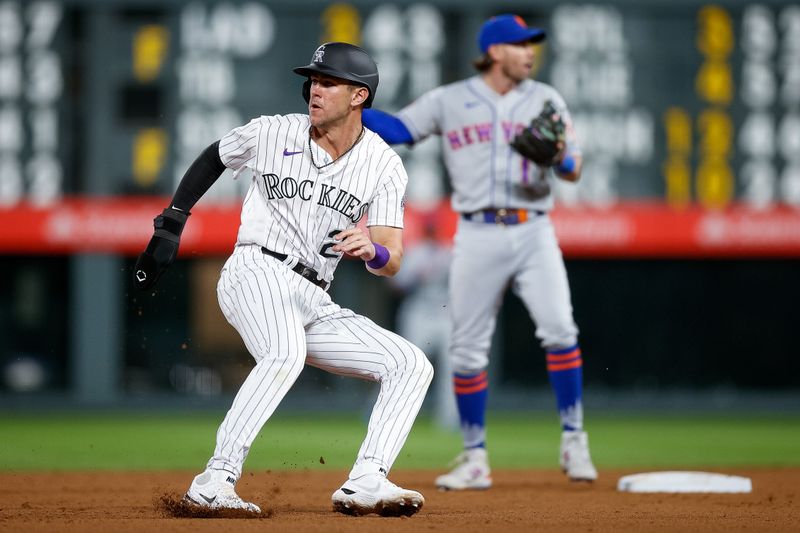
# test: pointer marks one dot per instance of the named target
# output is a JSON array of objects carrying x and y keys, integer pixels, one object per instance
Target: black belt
[
  {"x": 504, "y": 217},
  {"x": 307, "y": 272}
]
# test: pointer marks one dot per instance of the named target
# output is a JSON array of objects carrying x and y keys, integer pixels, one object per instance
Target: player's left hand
[
  {"x": 544, "y": 141},
  {"x": 355, "y": 242}
]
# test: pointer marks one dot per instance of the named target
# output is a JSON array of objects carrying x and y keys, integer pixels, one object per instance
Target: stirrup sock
[
  {"x": 472, "y": 391},
  {"x": 565, "y": 368}
]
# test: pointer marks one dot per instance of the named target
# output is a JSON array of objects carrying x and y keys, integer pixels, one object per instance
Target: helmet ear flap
[{"x": 307, "y": 90}]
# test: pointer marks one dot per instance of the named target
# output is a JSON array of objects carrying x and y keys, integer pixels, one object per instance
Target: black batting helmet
[{"x": 345, "y": 61}]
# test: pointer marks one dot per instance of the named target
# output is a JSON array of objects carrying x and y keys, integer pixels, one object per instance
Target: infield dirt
[{"x": 299, "y": 501}]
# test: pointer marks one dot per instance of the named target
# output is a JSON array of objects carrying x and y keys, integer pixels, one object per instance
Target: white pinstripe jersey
[
  {"x": 295, "y": 208},
  {"x": 476, "y": 124}
]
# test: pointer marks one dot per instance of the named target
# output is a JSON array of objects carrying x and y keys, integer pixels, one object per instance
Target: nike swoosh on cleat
[
  {"x": 286, "y": 152},
  {"x": 207, "y": 499}
]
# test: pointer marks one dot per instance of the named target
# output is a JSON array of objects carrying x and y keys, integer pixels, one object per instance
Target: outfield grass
[{"x": 178, "y": 442}]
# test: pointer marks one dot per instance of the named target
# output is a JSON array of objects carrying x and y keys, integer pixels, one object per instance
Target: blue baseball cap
[{"x": 508, "y": 28}]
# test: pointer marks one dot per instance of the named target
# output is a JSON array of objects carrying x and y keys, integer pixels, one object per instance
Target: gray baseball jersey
[
  {"x": 295, "y": 208},
  {"x": 476, "y": 124}
]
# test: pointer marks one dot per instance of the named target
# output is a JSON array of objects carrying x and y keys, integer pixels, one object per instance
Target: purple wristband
[
  {"x": 380, "y": 259},
  {"x": 567, "y": 165}
]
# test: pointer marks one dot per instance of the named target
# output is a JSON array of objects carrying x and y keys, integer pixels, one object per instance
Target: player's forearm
[
  {"x": 199, "y": 177},
  {"x": 162, "y": 249},
  {"x": 392, "y": 265},
  {"x": 385, "y": 251}
]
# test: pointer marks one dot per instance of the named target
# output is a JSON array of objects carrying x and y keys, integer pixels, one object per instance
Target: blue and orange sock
[
  {"x": 472, "y": 391},
  {"x": 565, "y": 368}
]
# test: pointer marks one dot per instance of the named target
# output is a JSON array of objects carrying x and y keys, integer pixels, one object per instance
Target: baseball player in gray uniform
[
  {"x": 504, "y": 236},
  {"x": 313, "y": 178}
]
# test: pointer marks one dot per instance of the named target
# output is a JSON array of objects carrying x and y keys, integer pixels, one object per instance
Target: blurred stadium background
[{"x": 682, "y": 240}]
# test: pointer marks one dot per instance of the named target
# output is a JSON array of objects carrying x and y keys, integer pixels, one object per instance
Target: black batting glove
[{"x": 161, "y": 250}]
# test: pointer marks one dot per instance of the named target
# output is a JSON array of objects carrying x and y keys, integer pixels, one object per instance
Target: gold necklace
[{"x": 311, "y": 151}]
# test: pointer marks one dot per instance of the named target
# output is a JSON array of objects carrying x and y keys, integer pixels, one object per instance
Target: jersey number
[{"x": 328, "y": 243}]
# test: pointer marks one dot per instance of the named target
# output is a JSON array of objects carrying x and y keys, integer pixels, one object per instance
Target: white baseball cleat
[
  {"x": 373, "y": 493},
  {"x": 574, "y": 456},
  {"x": 214, "y": 489},
  {"x": 471, "y": 472}
]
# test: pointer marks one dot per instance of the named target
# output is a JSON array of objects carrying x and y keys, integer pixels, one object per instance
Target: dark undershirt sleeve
[{"x": 200, "y": 176}]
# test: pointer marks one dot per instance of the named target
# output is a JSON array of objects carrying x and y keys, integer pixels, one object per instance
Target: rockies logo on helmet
[{"x": 345, "y": 61}]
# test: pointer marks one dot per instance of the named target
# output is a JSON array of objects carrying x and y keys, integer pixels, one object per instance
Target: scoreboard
[
  {"x": 688, "y": 113},
  {"x": 33, "y": 103}
]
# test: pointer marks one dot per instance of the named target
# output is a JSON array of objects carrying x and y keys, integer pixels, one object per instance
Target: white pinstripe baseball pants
[{"x": 286, "y": 322}]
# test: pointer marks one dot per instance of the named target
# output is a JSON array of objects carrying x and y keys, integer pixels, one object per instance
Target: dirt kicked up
[{"x": 541, "y": 501}]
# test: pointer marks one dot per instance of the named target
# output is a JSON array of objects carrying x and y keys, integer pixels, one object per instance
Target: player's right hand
[
  {"x": 355, "y": 243},
  {"x": 161, "y": 250}
]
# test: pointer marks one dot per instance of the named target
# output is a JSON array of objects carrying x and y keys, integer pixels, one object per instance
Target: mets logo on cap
[
  {"x": 506, "y": 29},
  {"x": 318, "y": 54}
]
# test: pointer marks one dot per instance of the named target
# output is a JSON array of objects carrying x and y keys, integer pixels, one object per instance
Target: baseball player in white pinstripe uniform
[
  {"x": 313, "y": 178},
  {"x": 504, "y": 237}
]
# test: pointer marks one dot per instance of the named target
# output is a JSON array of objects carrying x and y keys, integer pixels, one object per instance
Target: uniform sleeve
[
  {"x": 239, "y": 147},
  {"x": 386, "y": 208},
  {"x": 423, "y": 117}
]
